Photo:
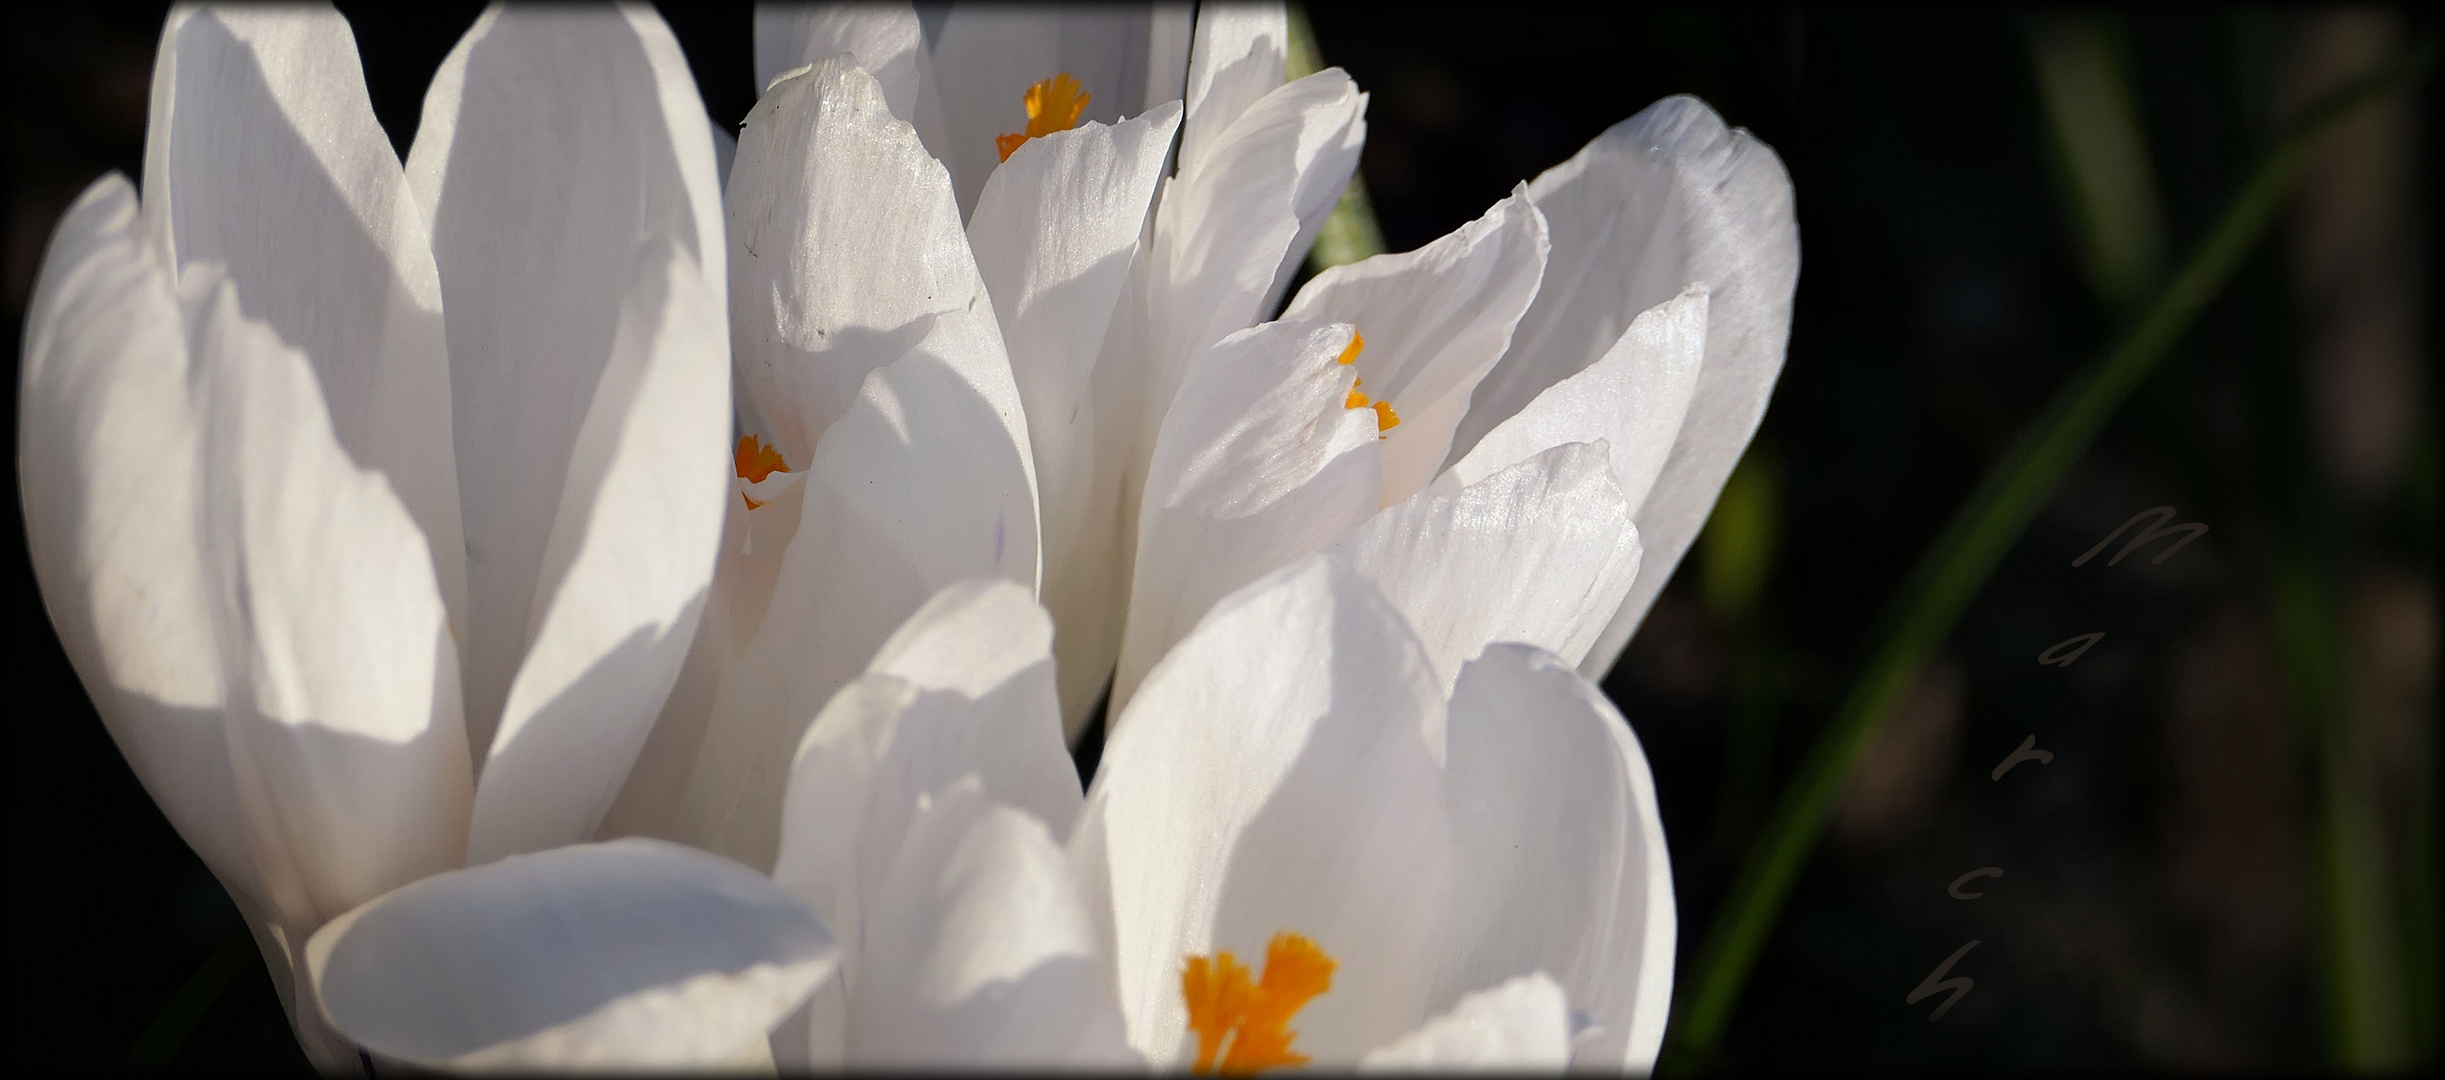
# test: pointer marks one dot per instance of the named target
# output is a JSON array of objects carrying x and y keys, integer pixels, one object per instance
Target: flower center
[
  {"x": 754, "y": 461},
  {"x": 1052, "y": 105},
  {"x": 1255, "y": 1017},
  {"x": 1385, "y": 418}
]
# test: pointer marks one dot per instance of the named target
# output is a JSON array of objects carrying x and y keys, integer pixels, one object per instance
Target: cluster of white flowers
[{"x": 603, "y": 595}]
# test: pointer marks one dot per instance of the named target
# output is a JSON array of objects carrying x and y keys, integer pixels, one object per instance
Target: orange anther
[
  {"x": 1053, "y": 104},
  {"x": 1222, "y": 1003},
  {"x": 755, "y": 461}
]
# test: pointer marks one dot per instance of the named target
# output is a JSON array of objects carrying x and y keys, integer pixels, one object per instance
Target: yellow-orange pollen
[
  {"x": 1053, "y": 104},
  {"x": 755, "y": 461},
  {"x": 1254, "y": 1017},
  {"x": 1385, "y": 418}
]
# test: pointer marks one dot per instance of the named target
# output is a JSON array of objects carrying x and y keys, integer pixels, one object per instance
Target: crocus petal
[
  {"x": 884, "y": 39},
  {"x": 1053, "y": 234},
  {"x": 1225, "y": 226},
  {"x": 108, "y": 445},
  {"x": 1236, "y": 59},
  {"x": 1219, "y": 241},
  {"x": 634, "y": 954},
  {"x": 753, "y": 541},
  {"x": 343, "y": 708},
  {"x": 925, "y": 480},
  {"x": 1127, "y": 58},
  {"x": 566, "y": 167},
  {"x": 828, "y": 178},
  {"x": 1278, "y": 772},
  {"x": 1235, "y": 66},
  {"x": 964, "y": 687},
  {"x": 725, "y": 148},
  {"x": 988, "y": 641},
  {"x": 890, "y": 517},
  {"x": 1435, "y": 321},
  {"x": 262, "y": 155},
  {"x": 1522, "y": 1024},
  {"x": 1663, "y": 199},
  {"x": 1541, "y": 552},
  {"x": 1562, "y": 866},
  {"x": 980, "y": 954},
  {"x": 1260, "y": 461},
  {"x": 1633, "y": 400}
]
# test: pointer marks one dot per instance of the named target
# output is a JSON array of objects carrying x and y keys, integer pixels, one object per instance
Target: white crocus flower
[
  {"x": 1466, "y": 877},
  {"x": 889, "y": 446},
  {"x": 869, "y": 363},
  {"x": 1054, "y": 128},
  {"x": 923, "y": 806},
  {"x": 1559, "y": 388},
  {"x": 1167, "y": 478},
  {"x": 1302, "y": 848},
  {"x": 375, "y": 505},
  {"x": 956, "y": 949}
]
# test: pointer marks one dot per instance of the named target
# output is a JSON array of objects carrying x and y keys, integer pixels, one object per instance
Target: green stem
[{"x": 1958, "y": 564}]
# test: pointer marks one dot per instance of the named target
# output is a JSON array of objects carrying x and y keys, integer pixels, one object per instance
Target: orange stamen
[
  {"x": 1053, "y": 104},
  {"x": 755, "y": 460},
  {"x": 1222, "y": 1003},
  {"x": 1385, "y": 418}
]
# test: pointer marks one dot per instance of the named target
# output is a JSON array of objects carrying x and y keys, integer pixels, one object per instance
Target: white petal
[
  {"x": 846, "y": 252},
  {"x": 916, "y": 488},
  {"x": 1278, "y": 772},
  {"x": 567, "y": 168},
  {"x": 980, "y": 953},
  {"x": 635, "y": 954},
  {"x": 1126, "y": 58},
  {"x": 1522, "y": 1024},
  {"x": 823, "y": 843},
  {"x": 108, "y": 446},
  {"x": 1562, "y": 866},
  {"x": 1054, "y": 234},
  {"x": 1225, "y": 228},
  {"x": 1237, "y": 58},
  {"x": 923, "y": 482},
  {"x": 753, "y": 543},
  {"x": 349, "y": 754},
  {"x": 883, "y": 37},
  {"x": 1541, "y": 552},
  {"x": 1663, "y": 199},
  {"x": 1220, "y": 239},
  {"x": 988, "y": 641},
  {"x": 1324, "y": 173},
  {"x": 1633, "y": 400},
  {"x": 1258, "y": 463},
  {"x": 1237, "y": 62},
  {"x": 610, "y": 646},
  {"x": 1435, "y": 320},
  {"x": 262, "y": 155},
  {"x": 725, "y": 148},
  {"x": 965, "y": 687}
]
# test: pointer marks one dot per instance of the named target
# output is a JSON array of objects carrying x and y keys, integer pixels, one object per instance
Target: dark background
[{"x": 2165, "y": 903}]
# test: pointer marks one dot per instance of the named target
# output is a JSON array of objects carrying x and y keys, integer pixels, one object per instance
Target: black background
[{"x": 2159, "y": 907}]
